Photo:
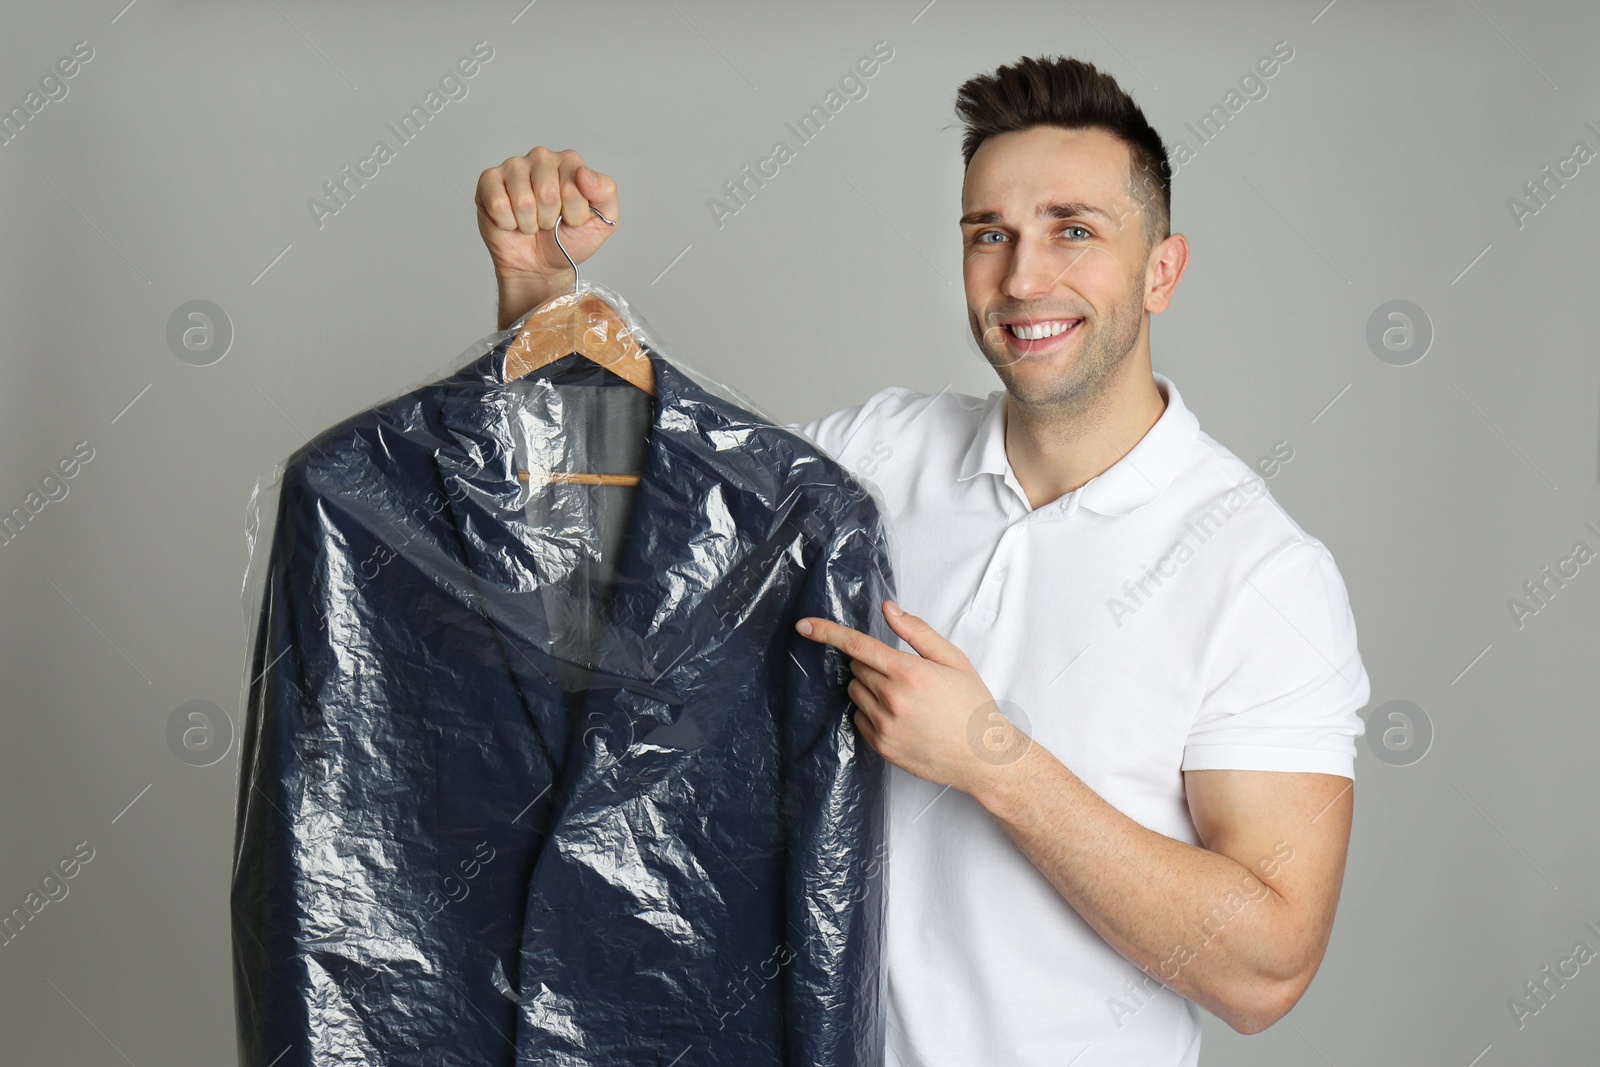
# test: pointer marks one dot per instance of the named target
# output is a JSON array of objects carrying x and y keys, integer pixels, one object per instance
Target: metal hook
[{"x": 557, "y": 234}]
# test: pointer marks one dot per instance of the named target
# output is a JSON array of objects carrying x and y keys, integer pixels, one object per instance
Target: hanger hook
[{"x": 557, "y": 234}]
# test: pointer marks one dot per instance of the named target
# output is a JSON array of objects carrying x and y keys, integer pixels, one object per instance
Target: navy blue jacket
[{"x": 441, "y": 861}]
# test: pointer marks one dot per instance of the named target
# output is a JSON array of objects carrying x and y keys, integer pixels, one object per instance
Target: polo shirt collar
[{"x": 1129, "y": 483}]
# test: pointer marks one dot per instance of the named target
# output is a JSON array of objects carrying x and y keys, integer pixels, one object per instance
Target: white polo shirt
[{"x": 1167, "y": 615}]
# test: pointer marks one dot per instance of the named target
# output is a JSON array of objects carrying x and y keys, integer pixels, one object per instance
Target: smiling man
[
  {"x": 1122, "y": 725},
  {"x": 1123, "y": 734}
]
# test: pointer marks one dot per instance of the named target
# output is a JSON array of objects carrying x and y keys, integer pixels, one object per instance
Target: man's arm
[{"x": 1239, "y": 926}]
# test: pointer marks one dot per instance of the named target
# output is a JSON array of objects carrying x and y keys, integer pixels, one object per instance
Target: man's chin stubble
[{"x": 1068, "y": 396}]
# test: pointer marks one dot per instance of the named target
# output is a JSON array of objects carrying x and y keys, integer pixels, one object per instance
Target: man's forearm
[
  {"x": 1203, "y": 925},
  {"x": 519, "y": 293}
]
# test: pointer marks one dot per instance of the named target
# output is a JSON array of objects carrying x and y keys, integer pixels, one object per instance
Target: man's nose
[{"x": 1036, "y": 269}]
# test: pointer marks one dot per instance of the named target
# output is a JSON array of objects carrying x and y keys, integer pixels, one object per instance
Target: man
[{"x": 1122, "y": 729}]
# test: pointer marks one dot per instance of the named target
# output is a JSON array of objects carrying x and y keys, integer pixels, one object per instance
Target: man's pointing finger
[{"x": 853, "y": 643}]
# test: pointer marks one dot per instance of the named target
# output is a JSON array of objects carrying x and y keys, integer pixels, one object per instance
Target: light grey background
[{"x": 1378, "y": 167}]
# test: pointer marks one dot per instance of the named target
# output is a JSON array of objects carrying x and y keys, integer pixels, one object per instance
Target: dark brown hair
[{"x": 1069, "y": 93}]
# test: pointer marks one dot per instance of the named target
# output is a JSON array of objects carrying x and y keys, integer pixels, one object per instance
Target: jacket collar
[
  {"x": 476, "y": 404},
  {"x": 1129, "y": 483},
  {"x": 477, "y": 468}
]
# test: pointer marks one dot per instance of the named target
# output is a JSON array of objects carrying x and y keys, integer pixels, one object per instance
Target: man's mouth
[{"x": 1038, "y": 334}]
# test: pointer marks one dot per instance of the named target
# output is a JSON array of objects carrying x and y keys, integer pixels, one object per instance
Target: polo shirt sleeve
[{"x": 1286, "y": 684}]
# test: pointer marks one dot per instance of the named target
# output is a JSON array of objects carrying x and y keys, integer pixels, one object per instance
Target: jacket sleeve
[
  {"x": 267, "y": 961},
  {"x": 834, "y": 810}
]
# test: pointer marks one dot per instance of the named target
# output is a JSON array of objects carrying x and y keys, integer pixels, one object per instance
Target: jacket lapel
[
  {"x": 655, "y": 613},
  {"x": 477, "y": 478}
]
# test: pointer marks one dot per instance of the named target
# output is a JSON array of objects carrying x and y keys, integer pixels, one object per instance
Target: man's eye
[
  {"x": 1080, "y": 229},
  {"x": 987, "y": 233}
]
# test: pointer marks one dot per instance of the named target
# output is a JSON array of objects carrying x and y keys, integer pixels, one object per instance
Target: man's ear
[{"x": 1163, "y": 270}]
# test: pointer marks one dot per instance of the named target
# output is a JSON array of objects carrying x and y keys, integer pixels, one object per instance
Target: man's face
[{"x": 1052, "y": 244}]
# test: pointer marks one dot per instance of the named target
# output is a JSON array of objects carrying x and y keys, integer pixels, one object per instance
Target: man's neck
[{"x": 1052, "y": 452}]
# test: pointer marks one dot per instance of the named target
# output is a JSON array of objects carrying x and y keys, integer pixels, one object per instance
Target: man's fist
[{"x": 518, "y": 204}]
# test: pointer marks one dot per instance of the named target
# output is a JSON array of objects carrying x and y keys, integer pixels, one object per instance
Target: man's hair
[{"x": 1073, "y": 95}]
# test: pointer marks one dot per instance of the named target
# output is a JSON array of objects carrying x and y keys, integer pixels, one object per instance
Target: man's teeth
[{"x": 1040, "y": 330}]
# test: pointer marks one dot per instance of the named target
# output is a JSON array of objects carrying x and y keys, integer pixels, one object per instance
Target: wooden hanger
[{"x": 585, "y": 324}]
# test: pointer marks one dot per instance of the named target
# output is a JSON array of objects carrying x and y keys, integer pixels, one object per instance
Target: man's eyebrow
[{"x": 1055, "y": 209}]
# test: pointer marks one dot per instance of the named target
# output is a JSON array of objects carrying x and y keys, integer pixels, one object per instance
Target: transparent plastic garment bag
[{"x": 535, "y": 768}]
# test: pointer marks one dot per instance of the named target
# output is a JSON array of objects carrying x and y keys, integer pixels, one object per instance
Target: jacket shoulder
[
  {"x": 363, "y": 450},
  {"x": 790, "y": 469}
]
